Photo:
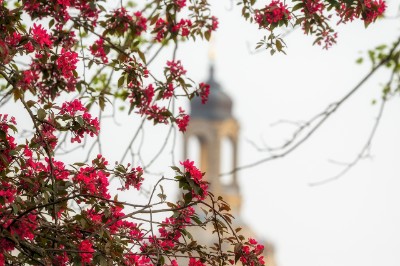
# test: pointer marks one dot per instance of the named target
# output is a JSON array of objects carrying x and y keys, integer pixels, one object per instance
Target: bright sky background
[{"x": 350, "y": 222}]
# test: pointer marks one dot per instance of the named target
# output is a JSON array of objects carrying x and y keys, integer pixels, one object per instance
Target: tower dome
[{"x": 218, "y": 106}]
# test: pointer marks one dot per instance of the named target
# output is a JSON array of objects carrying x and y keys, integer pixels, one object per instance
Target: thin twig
[{"x": 319, "y": 119}]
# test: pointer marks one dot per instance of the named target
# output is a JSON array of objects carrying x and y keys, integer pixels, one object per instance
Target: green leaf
[
  {"x": 101, "y": 103},
  {"x": 171, "y": 205},
  {"x": 207, "y": 34},
  {"x": 51, "y": 23},
  {"x": 297, "y": 7},
  {"x": 188, "y": 197},
  {"x": 175, "y": 168},
  {"x": 161, "y": 261},
  {"x": 79, "y": 86},
  {"x": 278, "y": 45},
  {"x": 196, "y": 220},
  {"x": 41, "y": 114},
  {"x": 30, "y": 103},
  {"x": 13, "y": 128},
  {"x": 3, "y": 135},
  {"x": 153, "y": 20},
  {"x": 15, "y": 207},
  {"x": 121, "y": 81},
  {"x": 141, "y": 55},
  {"x": 80, "y": 121},
  {"x": 17, "y": 95},
  {"x": 238, "y": 251}
]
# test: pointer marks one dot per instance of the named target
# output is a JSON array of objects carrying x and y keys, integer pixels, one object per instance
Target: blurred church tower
[{"x": 212, "y": 123}]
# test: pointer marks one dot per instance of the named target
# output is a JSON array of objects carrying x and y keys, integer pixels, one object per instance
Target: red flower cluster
[
  {"x": 119, "y": 21},
  {"x": 86, "y": 249},
  {"x": 92, "y": 181},
  {"x": 197, "y": 176},
  {"x": 60, "y": 259},
  {"x": 214, "y": 23},
  {"x": 183, "y": 26},
  {"x": 5, "y": 246},
  {"x": 156, "y": 113},
  {"x": 272, "y": 15},
  {"x": 113, "y": 219},
  {"x": 14, "y": 40},
  {"x": 60, "y": 9},
  {"x": 7, "y": 194},
  {"x": 180, "y": 3},
  {"x": 204, "y": 91},
  {"x": 141, "y": 96},
  {"x": 175, "y": 69},
  {"x": 312, "y": 7},
  {"x": 168, "y": 92},
  {"x": 182, "y": 120},
  {"x": 134, "y": 259},
  {"x": 250, "y": 253},
  {"x": 368, "y": 10},
  {"x": 140, "y": 23},
  {"x": 23, "y": 228},
  {"x": 171, "y": 228},
  {"x": 46, "y": 138},
  {"x": 97, "y": 50},
  {"x": 66, "y": 62},
  {"x": 374, "y": 9},
  {"x": 160, "y": 28},
  {"x": 194, "y": 262},
  {"x": 81, "y": 121},
  {"x": 35, "y": 170},
  {"x": 41, "y": 36},
  {"x": 47, "y": 78},
  {"x": 7, "y": 143},
  {"x": 133, "y": 178}
]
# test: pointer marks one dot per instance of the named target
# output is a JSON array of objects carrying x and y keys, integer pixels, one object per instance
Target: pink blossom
[
  {"x": 204, "y": 92},
  {"x": 175, "y": 69},
  {"x": 180, "y": 3},
  {"x": 272, "y": 14},
  {"x": 87, "y": 251},
  {"x": 194, "y": 262},
  {"x": 66, "y": 62},
  {"x": 140, "y": 23},
  {"x": 182, "y": 120},
  {"x": 41, "y": 36},
  {"x": 97, "y": 50}
]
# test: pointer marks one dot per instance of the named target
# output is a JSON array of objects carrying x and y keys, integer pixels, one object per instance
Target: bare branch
[{"x": 310, "y": 127}]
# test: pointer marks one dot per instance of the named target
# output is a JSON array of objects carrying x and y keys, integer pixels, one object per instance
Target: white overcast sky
[{"x": 350, "y": 222}]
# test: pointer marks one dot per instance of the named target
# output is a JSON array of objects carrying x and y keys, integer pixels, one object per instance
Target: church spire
[
  {"x": 219, "y": 104},
  {"x": 211, "y": 58}
]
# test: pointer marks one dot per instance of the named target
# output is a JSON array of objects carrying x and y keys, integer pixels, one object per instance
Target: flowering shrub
[{"x": 61, "y": 61}]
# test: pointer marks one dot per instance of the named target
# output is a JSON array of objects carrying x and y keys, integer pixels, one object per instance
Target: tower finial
[
  {"x": 211, "y": 50},
  {"x": 211, "y": 57}
]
